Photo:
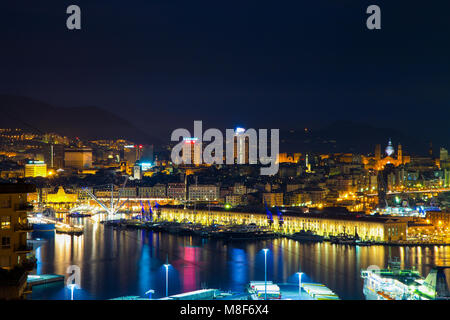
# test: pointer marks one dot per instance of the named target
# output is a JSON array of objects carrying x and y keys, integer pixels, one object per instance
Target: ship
[
  {"x": 405, "y": 284},
  {"x": 344, "y": 238},
  {"x": 41, "y": 224},
  {"x": 260, "y": 290},
  {"x": 308, "y": 236}
]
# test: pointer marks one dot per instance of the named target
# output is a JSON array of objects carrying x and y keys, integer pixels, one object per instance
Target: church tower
[
  {"x": 378, "y": 152},
  {"x": 400, "y": 154}
]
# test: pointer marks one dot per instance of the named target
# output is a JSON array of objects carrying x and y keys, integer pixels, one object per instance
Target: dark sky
[{"x": 263, "y": 64}]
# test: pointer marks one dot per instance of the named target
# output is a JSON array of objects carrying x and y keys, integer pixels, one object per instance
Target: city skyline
[
  {"x": 309, "y": 66},
  {"x": 235, "y": 154}
]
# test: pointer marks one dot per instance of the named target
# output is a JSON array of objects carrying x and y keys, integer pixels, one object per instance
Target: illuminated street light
[
  {"x": 150, "y": 292},
  {"x": 167, "y": 265},
  {"x": 71, "y": 287},
  {"x": 265, "y": 273},
  {"x": 300, "y": 283}
]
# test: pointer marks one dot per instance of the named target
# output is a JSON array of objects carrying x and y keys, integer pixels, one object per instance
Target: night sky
[{"x": 262, "y": 64}]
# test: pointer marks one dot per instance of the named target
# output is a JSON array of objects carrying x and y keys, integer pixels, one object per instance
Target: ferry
[
  {"x": 405, "y": 284},
  {"x": 258, "y": 290},
  {"x": 318, "y": 291},
  {"x": 40, "y": 224}
]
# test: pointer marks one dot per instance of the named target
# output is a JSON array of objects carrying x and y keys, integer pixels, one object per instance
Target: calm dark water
[{"x": 117, "y": 263}]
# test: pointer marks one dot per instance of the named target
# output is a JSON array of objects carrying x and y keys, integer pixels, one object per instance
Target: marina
[{"x": 197, "y": 262}]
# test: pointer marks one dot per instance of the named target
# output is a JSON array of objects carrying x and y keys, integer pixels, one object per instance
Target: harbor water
[{"x": 118, "y": 262}]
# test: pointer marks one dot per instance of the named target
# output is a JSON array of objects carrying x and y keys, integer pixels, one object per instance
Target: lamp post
[
  {"x": 167, "y": 265},
  {"x": 300, "y": 284},
  {"x": 167, "y": 278},
  {"x": 150, "y": 292},
  {"x": 72, "y": 287},
  {"x": 265, "y": 273}
]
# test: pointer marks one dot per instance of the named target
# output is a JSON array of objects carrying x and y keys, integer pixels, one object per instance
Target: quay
[
  {"x": 288, "y": 291},
  {"x": 238, "y": 232},
  {"x": 35, "y": 280}
]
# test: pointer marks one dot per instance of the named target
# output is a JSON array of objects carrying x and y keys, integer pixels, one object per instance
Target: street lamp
[
  {"x": 300, "y": 284},
  {"x": 167, "y": 265},
  {"x": 265, "y": 273},
  {"x": 150, "y": 292},
  {"x": 71, "y": 287}
]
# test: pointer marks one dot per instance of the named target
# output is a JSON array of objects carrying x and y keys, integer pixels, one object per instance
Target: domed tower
[{"x": 389, "y": 149}]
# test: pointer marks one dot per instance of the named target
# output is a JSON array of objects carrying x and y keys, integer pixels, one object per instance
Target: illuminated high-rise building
[
  {"x": 130, "y": 154},
  {"x": 443, "y": 156},
  {"x": 35, "y": 169},
  {"x": 78, "y": 158},
  {"x": 193, "y": 148},
  {"x": 241, "y": 146}
]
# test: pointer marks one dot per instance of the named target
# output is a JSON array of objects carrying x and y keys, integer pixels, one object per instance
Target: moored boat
[
  {"x": 308, "y": 236},
  {"x": 394, "y": 283}
]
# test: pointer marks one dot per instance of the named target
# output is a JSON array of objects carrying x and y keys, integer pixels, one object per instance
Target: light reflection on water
[{"x": 116, "y": 263}]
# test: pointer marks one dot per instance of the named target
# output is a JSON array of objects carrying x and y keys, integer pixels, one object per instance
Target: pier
[{"x": 36, "y": 280}]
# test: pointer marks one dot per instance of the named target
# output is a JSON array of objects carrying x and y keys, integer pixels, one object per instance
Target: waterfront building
[
  {"x": 127, "y": 192},
  {"x": 384, "y": 229},
  {"x": 35, "y": 169},
  {"x": 438, "y": 218},
  {"x": 157, "y": 191},
  {"x": 13, "y": 239},
  {"x": 60, "y": 200},
  {"x": 61, "y": 196}
]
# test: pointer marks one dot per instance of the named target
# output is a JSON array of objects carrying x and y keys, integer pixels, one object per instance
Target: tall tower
[
  {"x": 400, "y": 154},
  {"x": 431, "y": 149},
  {"x": 378, "y": 152}
]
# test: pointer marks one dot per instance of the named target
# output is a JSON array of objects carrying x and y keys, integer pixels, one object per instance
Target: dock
[
  {"x": 319, "y": 292},
  {"x": 36, "y": 280}
]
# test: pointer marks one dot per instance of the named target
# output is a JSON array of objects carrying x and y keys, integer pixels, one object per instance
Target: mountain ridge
[{"x": 87, "y": 122}]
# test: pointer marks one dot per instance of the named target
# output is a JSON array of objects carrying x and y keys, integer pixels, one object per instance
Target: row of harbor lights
[
  {"x": 167, "y": 265},
  {"x": 265, "y": 250},
  {"x": 265, "y": 277}
]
